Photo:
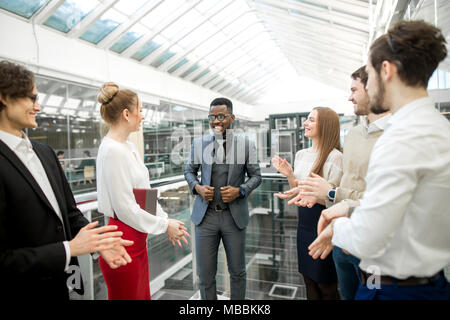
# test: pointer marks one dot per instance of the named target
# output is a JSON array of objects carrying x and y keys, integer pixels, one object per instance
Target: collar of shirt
[
  {"x": 14, "y": 142},
  {"x": 377, "y": 125},
  {"x": 408, "y": 109}
]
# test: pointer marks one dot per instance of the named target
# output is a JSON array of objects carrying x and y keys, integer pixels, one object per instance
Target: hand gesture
[
  {"x": 176, "y": 231},
  {"x": 117, "y": 256},
  {"x": 90, "y": 239},
  {"x": 336, "y": 211},
  {"x": 229, "y": 193},
  {"x": 288, "y": 194},
  {"x": 282, "y": 166},
  {"x": 306, "y": 201},
  {"x": 315, "y": 186},
  {"x": 206, "y": 192},
  {"x": 322, "y": 246},
  {"x": 301, "y": 200}
]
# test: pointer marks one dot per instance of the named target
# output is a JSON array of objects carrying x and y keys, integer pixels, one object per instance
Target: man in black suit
[{"x": 41, "y": 230}]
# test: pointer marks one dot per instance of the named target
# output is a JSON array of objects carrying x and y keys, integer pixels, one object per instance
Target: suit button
[{"x": 59, "y": 229}]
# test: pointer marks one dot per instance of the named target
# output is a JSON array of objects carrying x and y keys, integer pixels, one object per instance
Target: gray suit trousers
[{"x": 214, "y": 227}]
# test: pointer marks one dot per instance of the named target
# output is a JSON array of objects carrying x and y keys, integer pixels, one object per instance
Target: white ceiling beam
[
  {"x": 306, "y": 22},
  {"x": 188, "y": 65},
  {"x": 142, "y": 41},
  {"x": 321, "y": 15},
  {"x": 169, "y": 64},
  {"x": 91, "y": 18},
  {"x": 47, "y": 11},
  {"x": 281, "y": 30},
  {"x": 325, "y": 51},
  {"x": 224, "y": 54},
  {"x": 117, "y": 33}
]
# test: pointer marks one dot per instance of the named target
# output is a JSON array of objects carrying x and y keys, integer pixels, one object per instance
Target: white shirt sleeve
[
  {"x": 67, "y": 248},
  {"x": 391, "y": 180},
  {"x": 120, "y": 190},
  {"x": 160, "y": 211}
]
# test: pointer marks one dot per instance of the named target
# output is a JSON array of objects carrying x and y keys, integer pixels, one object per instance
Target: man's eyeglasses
[
  {"x": 33, "y": 98},
  {"x": 220, "y": 117}
]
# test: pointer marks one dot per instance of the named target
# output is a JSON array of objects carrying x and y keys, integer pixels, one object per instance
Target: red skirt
[{"x": 129, "y": 282}]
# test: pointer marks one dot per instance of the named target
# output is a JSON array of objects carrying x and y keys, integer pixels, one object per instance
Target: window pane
[
  {"x": 102, "y": 27},
  {"x": 129, "y": 38},
  {"x": 190, "y": 70},
  {"x": 148, "y": 48},
  {"x": 24, "y": 8},
  {"x": 70, "y": 13},
  {"x": 166, "y": 56},
  {"x": 179, "y": 64},
  {"x": 203, "y": 73},
  {"x": 160, "y": 13}
]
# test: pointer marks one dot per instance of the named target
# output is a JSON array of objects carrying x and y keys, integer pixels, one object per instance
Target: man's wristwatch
[
  {"x": 332, "y": 194},
  {"x": 241, "y": 193}
]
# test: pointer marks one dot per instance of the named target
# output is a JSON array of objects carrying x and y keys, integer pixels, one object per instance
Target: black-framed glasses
[
  {"x": 33, "y": 98},
  {"x": 220, "y": 117}
]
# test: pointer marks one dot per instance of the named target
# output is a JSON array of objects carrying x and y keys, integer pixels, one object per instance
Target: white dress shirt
[
  {"x": 23, "y": 148},
  {"x": 377, "y": 125},
  {"x": 402, "y": 227},
  {"x": 119, "y": 170}
]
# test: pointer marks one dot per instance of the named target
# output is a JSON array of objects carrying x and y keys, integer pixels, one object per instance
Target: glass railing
[{"x": 271, "y": 249}]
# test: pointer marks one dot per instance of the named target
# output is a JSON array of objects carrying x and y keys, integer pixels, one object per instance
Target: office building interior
[{"x": 274, "y": 59}]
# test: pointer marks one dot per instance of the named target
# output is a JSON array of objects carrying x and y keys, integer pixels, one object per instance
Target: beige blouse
[{"x": 332, "y": 169}]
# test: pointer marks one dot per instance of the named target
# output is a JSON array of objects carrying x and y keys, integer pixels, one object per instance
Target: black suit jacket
[{"x": 32, "y": 255}]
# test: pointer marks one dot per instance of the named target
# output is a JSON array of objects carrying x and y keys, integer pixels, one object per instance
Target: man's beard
[{"x": 376, "y": 102}]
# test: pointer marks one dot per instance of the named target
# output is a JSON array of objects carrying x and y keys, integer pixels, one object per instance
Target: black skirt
[{"x": 321, "y": 271}]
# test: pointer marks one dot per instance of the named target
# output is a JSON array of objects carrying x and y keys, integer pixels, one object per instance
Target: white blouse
[
  {"x": 119, "y": 170},
  {"x": 332, "y": 169}
]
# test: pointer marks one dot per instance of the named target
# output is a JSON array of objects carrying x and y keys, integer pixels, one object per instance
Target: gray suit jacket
[{"x": 241, "y": 157}]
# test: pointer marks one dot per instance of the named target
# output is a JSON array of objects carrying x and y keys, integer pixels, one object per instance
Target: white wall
[{"x": 48, "y": 52}]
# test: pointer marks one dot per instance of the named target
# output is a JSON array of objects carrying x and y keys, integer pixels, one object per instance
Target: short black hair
[
  {"x": 86, "y": 152},
  {"x": 59, "y": 153},
  {"x": 361, "y": 74},
  {"x": 222, "y": 101}
]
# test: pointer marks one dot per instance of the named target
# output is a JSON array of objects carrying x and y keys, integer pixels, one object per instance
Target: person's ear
[
  {"x": 232, "y": 118},
  {"x": 388, "y": 70},
  {"x": 126, "y": 114},
  {"x": 3, "y": 100}
]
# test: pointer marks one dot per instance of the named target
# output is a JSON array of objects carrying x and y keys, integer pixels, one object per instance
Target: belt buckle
[{"x": 217, "y": 208}]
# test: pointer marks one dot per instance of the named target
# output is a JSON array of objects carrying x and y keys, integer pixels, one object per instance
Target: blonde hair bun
[{"x": 107, "y": 92}]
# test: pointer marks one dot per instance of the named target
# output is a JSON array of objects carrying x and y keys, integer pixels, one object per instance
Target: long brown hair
[{"x": 329, "y": 136}]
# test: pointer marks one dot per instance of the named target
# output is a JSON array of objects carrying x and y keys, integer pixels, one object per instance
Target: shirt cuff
[
  {"x": 67, "y": 248},
  {"x": 340, "y": 234},
  {"x": 164, "y": 224}
]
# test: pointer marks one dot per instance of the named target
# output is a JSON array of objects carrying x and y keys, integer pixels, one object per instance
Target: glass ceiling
[{"x": 236, "y": 47}]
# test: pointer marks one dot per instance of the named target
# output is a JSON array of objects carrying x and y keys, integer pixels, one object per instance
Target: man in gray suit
[{"x": 220, "y": 206}]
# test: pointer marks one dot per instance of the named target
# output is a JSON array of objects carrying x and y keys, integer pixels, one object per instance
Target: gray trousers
[{"x": 214, "y": 227}]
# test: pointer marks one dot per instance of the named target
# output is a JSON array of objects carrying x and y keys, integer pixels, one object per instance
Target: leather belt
[
  {"x": 218, "y": 208},
  {"x": 390, "y": 281}
]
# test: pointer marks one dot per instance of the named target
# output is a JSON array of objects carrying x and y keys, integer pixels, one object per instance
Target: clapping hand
[
  {"x": 289, "y": 193},
  {"x": 322, "y": 246},
  {"x": 176, "y": 231},
  {"x": 117, "y": 256},
  {"x": 282, "y": 166},
  {"x": 315, "y": 186}
]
